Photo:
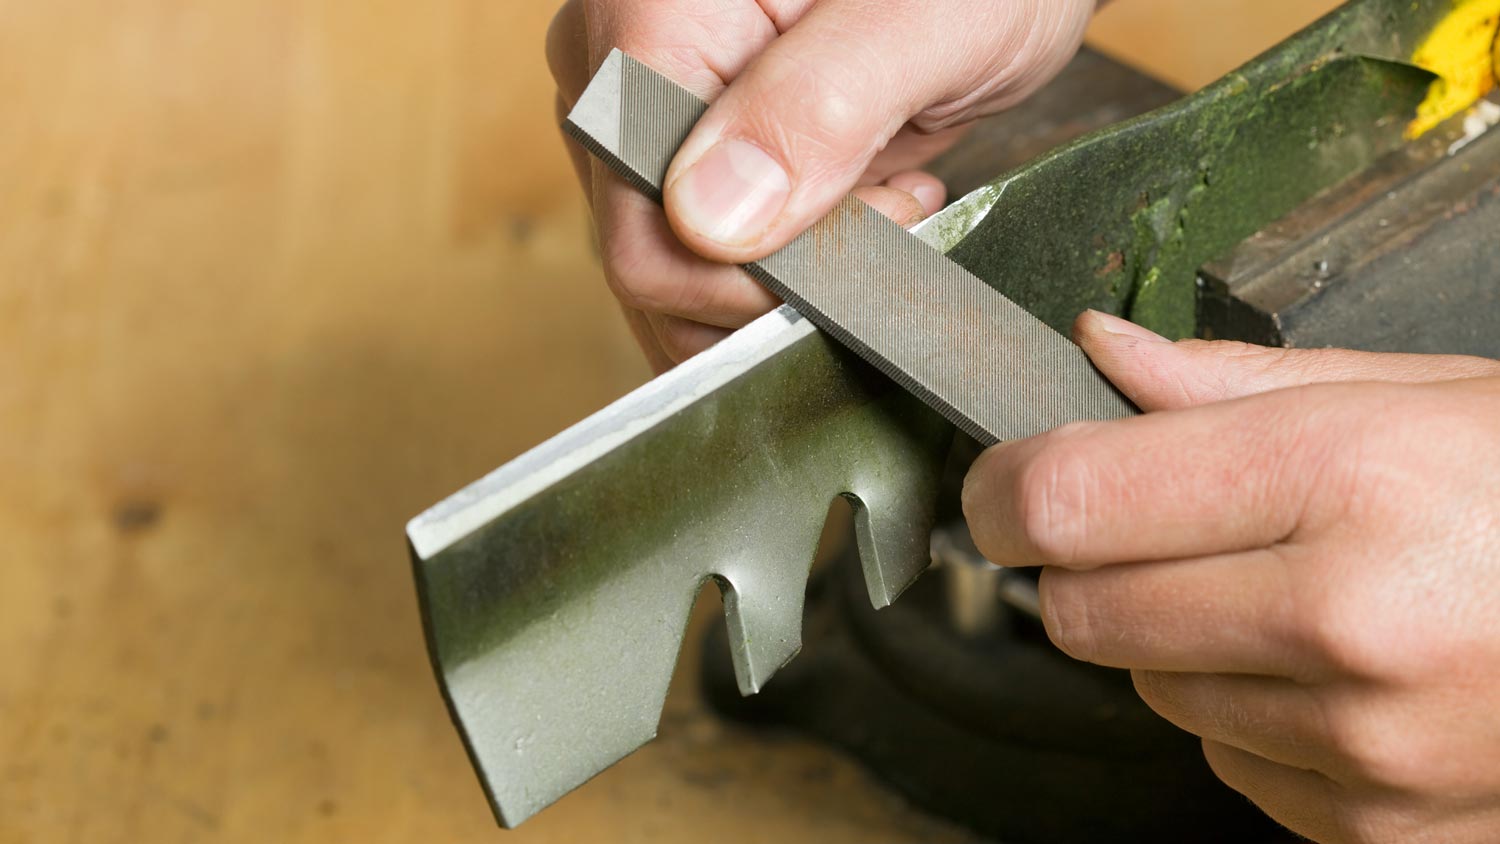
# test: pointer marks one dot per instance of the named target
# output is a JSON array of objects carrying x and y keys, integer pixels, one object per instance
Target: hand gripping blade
[
  {"x": 971, "y": 354},
  {"x": 555, "y": 590}
]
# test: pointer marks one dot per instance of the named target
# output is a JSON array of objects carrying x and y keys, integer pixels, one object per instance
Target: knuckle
[
  {"x": 1230, "y": 361},
  {"x": 702, "y": 295},
  {"x": 1066, "y": 618},
  {"x": 1465, "y": 427},
  {"x": 656, "y": 282},
  {"x": 1159, "y": 692},
  {"x": 557, "y": 36},
  {"x": 673, "y": 336},
  {"x": 979, "y": 506},
  {"x": 935, "y": 119},
  {"x": 633, "y": 274},
  {"x": 1053, "y": 494},
  {"x": 894, "y": 204},
  {"x": 1361, "y": 823},
  {"x": 904, "y": 209},
  {"x": 1378, "y": 749},
  {"x": 566, "y": 48},
  {"x": 1313, "y": 476},
  {"x": 679, "y": 39},
  {"x": 842, "y": 131},
  {"x": 1000, "y": 72},
  {"x": 681, "y": 338},
  {"x": 1338, "y": 630},
  {"x": 634, "y": 291},
  {"x": 1296, "y": 365},
  {"x": 1232, "y": 349}
]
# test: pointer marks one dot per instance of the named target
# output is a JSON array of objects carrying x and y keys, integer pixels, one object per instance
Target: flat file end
[{"x": 595, "y": 118}]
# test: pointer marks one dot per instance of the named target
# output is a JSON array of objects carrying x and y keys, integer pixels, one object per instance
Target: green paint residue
[{"x": 1121, "y": 221}]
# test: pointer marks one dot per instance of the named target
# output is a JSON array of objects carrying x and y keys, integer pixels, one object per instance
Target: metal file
[{"x": 963, "y": 348}]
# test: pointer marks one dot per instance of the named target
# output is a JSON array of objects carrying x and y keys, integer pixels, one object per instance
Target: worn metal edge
[{"x": 469, "y": 509}]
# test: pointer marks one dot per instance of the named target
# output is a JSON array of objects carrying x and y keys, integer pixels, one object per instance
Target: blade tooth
[
  {"x": 763, "y": 593},
  {"x": 893, "y": 529},
  {"x": 556, "y": 592},
  {"x": 893, "y": 522}
]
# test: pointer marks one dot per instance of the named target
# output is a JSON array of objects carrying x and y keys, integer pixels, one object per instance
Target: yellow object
[{"x": 1463, "y": 52}]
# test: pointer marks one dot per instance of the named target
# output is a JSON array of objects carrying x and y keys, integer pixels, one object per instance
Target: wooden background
[{"x": 274, "y": 276}]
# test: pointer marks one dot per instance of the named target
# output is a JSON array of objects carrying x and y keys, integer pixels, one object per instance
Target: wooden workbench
[{"x": 274, "y": 276}]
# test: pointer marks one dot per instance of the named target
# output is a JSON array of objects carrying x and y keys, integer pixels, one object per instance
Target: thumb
[
  {"x": 795, "y": 130},
  {"x": 1158, "y": 374}
]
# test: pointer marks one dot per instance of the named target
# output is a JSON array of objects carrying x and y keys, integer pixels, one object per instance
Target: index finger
[{"x": 1214, "y": 479}]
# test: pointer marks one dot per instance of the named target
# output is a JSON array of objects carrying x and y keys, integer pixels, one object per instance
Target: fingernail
[
  {"x": 1125, "y": 328},
  {"x": 732, "y": 194}
]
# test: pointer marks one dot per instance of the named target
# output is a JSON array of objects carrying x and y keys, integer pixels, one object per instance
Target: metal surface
[
  {"x": 981, "y": 595},
  {"x": 1378, "y": 261},
  {"x": 1122, "y": 220},
  {"x": 984, "y": 363},
  {"x": 554, "y": 591}
]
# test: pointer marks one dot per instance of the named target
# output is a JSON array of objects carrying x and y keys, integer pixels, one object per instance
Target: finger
[
  {"x": 701, "y": 51},
  {"x": 645, "y": 337},
  {"x": 1302, "y": 801},
  {"x": 567, "y": 51},
  {"x": 699, "y": 46},
  {"x": 900, "y": 206},
  {"x": 1215, "y": 479},
  {"x": 648, "y": 269},
  {"x": 671, "y": 339},
  {"x": 1272, "y": 717},
  {"x": 577, "y": 155},
  {"x": 798, "y": 127},
  {"x": 681, "y": 338},
  {"x": 1157, "y": 374},
  {"x": 678, "y": 338},
  {"x": 912, "y": 149},
  {"x": 1227, "y": 614},
  {"x": 567, "y": 58},
  {"x": 929, "y": 190}
]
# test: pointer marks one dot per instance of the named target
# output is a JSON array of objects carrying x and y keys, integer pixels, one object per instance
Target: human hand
[
  {"x": 1297, "y": 554},
  {"x": 811, "y": 99}
]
